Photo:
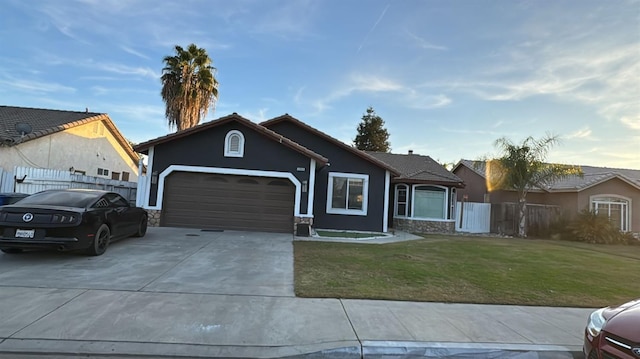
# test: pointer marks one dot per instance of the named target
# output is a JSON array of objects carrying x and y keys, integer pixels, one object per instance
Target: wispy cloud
[
  {"x": 128, "y": 70},
  {"x": 256, "y": 116},
  {"x": 358, "y": 83},
  {"x": 605, "y": 78},
  {"x": 424, "y": 44},
  {"x": 428, "y": 102},
  {"x": 631, "y": 122},
  {"x": 373, "y": 85},
  {"x": 134, "y": 52},
  {"x": 582, "y": 133},
  {"x": 35, "y": 87}
]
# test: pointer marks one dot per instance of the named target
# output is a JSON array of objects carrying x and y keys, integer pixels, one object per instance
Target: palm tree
[
  {"x": 522, "y": 168},
  {"x": 189, "y": 87}
]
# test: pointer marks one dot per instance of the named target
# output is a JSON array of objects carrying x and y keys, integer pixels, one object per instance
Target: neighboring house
[
  {"x": 613, "y": 192},
  {"x": 276, "y": 176},
  {"x": 423, "y": 196},
  {"x": 81, "y": 142}
]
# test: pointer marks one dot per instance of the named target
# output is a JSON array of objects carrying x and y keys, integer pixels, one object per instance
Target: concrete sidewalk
[{"x": 72, "y": 322}]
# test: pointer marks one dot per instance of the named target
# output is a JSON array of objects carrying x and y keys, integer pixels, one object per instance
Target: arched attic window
[{"x": 234, "y": 144}]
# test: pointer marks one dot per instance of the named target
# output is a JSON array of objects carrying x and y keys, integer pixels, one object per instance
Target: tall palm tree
[
  {"x": 522, "y": 168},
  {"x": 189, "y": 86}
]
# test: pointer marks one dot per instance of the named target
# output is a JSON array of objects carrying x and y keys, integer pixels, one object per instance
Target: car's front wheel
[
  {"x": 142, "y": 227},
  {"x": 100, "y": 241},
  {"x": 11, "y": 250}
]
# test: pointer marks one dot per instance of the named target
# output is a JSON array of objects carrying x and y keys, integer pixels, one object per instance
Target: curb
[
  {"x": 45, "y": 348},
  {"x": 37, "y": 348},
  {"x": 411, "y": 350}
]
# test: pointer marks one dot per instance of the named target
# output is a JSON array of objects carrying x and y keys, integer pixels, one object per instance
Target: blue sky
[{"x": 448, "y": 77}]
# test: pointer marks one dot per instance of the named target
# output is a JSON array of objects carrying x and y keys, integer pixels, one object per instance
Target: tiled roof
[
  {"x": 44, "y": 122},
  {"x": 591, "y": 176},
  {"x": 595, "y": 175},
  {"x": 145, "y": 146},
  {"x": 417, "y": 168}
]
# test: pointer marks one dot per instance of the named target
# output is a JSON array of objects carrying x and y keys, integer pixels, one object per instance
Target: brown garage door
[{"x": 203, "y": 200}]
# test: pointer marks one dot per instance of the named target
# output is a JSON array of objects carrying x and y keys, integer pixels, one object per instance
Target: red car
[{"x": 613, "y": 332}]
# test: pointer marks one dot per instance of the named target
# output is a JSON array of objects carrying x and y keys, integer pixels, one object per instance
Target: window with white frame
[
  {"x": 401, "y": 205},
  {"x": 429, "y": 202},
  {"x": 613, "y": 207},
  {"x": 347, "y": 193},
  {"x": 234, "y": 144}
]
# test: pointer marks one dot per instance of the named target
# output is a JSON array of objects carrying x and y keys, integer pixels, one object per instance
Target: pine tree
[{"x": 372, "y": 136}]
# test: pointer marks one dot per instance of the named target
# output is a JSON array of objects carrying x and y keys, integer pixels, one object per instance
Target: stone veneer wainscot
[{"x": 423, "y": 226}]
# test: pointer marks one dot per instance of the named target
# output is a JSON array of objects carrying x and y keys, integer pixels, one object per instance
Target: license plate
[{"x": 25, "y": 233}]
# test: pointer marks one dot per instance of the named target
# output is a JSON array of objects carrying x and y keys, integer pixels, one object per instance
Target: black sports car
[{"x": 69, "y": 219}]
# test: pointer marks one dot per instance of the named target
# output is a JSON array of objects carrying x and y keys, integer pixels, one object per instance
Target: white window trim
[
  {"x": 227, "y": 142},
  {"x": 600, "y": 199},
  {"x": 395, "y": 204},
  {"x": 444, "y": 205},
  {"x": 365, "y": 194}
]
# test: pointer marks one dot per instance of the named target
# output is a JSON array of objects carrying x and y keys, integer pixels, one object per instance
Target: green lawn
[{"x": 470, "y": 270}]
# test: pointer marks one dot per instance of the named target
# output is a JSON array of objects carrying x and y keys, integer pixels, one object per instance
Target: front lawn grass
[{"x": 470, "y": 270}]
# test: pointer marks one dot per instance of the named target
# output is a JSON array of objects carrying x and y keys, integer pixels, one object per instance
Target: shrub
[{"x": 591, "y": 228}]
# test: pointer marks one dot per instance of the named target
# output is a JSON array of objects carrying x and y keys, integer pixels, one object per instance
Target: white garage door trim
[{"x": 228, "y": 171}]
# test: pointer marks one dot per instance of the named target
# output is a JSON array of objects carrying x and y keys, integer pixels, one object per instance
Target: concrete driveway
[{"x": 172, "y": 260}]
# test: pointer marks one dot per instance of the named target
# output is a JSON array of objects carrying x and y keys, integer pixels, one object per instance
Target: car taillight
[{"x": 63, "y": 218}]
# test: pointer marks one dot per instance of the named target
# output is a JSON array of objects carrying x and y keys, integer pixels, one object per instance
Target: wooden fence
[
  {"x": 31, "y": 180},
  {"x": 504, "y": 218}
]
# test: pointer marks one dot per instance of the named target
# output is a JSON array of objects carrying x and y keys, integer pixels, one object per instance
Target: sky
[{"x": 449, "y": 78}]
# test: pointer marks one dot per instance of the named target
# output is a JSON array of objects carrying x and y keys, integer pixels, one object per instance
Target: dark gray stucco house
[{"x": 232, "y": 173}]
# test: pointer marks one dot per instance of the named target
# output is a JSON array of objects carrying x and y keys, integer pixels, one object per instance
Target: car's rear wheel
[
  {"x": 100, "y": 241},
  {"x": 142, "y": 227},
  {"x": 11, "y": 250}
]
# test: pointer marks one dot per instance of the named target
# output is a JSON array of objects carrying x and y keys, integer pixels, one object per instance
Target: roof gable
[
  {"x": 592, "y": 176},
  {"x": 234, "y": 117},
  {"x": 332, "y": 140},
  {"x": 418, "y": 169},
  {"x": 44, "y": 122}
]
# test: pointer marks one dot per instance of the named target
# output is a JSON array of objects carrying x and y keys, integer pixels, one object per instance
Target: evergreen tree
[{"x": 372, "y": 136}]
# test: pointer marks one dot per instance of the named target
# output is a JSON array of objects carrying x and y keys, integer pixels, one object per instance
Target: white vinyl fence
[
  {"x": 31, "y": 180},
  {"x": 6, "y": 181},
  {"x": 142, "y": 189},
  {"x": 472, "y": 217}
]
